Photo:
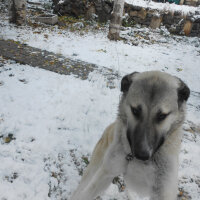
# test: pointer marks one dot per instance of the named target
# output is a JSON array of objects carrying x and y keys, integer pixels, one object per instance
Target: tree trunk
[
  {"x": 116, "y": 20},
  {"x": 17, "y": 11}
]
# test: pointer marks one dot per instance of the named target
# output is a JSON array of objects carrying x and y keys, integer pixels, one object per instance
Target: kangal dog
[{"x": 143, "y": 143}]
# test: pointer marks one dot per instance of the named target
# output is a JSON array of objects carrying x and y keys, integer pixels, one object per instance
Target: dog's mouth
[
  {"x": 144, "y": 155},
  {"x": 131, "y": 157},
  {"x": 143, "y": 150}
]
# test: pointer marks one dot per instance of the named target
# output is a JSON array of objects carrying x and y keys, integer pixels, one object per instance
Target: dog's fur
[{"x": 148, "y": 126}]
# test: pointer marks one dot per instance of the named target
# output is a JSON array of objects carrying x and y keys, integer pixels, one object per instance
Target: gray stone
[{"x": 47, "y": 19}]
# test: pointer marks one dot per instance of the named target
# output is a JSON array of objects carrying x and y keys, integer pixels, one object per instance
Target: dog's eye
[
  {"x": 136, "y": 111},
  {"x": 161, "y": 116}
]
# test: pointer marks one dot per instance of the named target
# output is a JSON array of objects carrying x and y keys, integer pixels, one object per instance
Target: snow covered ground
[
  {"x": 49, "y": 120},
  {"x": 54, "y": 121},
  {"x": 175, "y": 56}
]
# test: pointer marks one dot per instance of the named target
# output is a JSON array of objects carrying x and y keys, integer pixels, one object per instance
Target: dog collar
[{"x": 129, "y": 157}]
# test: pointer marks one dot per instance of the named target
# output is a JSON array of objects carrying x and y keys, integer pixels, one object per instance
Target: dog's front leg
[
  {"x": 114, "y": 163},
  {"x": 100, "y": 181},
  {"x": 165, "y": 193},
  {"x": 166, "y": 184}
]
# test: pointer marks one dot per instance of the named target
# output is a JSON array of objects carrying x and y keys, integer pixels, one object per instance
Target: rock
[
  {"x": 103, "y": 9},
  {"x": 187, "y": 27},
  {"x": 142, "y": 13},
  {"x": 133, "y": 13},
  {"x": 47, "y": 19},
  {"x": 91, "y": 12},
  {"x": 155, "y": 22}
]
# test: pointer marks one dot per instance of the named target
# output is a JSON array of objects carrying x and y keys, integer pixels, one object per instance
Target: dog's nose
[{"x": 142, "y": 155}]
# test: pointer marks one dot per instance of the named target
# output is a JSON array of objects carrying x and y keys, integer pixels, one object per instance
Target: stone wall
[
  {"x": 195, "y": 30},
  {"x": 86, "y": 8},
  {"x": 192, "y": 2},
  {"x": 175, "y": 22}
]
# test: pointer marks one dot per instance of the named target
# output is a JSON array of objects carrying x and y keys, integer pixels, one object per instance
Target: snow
[
  {"x": 48, "y": 121},
  {"x": 184, "y": 9},
  {"x": 170, "y": 55},
  {"x": 61, "y": 1},
  {"x": 57, "y": 119},
  {"x": 47, "y": 109}
]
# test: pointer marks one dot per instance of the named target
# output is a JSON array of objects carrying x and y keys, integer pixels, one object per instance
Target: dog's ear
[
  {"x": 183, "y": 92},
  {"x": 126, "y": 82}
]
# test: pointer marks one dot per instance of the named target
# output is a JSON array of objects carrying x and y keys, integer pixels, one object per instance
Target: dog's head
[{"x": 152, "y": 107}]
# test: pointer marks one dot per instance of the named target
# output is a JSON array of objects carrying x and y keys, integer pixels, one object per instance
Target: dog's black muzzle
[
  {"x": 142, "y": 155},
  {"x": 140, "y": 149}
]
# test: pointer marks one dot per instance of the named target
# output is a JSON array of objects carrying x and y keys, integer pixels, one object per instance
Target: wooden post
[
  {"x": 17, "y": 11},
  {"x": 116, "y": 20}
]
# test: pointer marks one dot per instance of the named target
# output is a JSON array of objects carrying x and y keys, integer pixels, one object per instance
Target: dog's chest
[{"x": 140, "y": 177}]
